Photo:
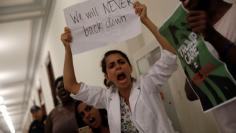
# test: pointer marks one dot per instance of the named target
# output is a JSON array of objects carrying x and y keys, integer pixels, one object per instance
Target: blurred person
[
  {"x": 216, "y": 21},
  {"x": 37, "y": 125},
  {"x": 87, "y": 115},
  {"x": 62, "y": 118}
]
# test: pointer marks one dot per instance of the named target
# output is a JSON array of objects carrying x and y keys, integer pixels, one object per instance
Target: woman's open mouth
[
  {"x": 121, "y": 76},
  {"x": 91, "y": 120}
]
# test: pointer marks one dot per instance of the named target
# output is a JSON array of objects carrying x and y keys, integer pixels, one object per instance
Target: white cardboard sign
[{"x": 95, "y": 23}]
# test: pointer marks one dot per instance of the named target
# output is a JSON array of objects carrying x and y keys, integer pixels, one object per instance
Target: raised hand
[
  {"x": 66, "y": 37},
  {"x": 69, "y": 79},
  {"x": 199, "y": 22},
  {"x": 141, "y": 11}
]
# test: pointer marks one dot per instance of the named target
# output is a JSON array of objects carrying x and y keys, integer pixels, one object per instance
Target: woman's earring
[{"x": 107, "y": 82}]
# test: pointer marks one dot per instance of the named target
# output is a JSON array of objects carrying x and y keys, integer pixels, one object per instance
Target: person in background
[
  {"x": 87, "y": 115},
  {"x": 216, "y": 21},
  {"x": 133, "y": 105},
  {"x": 62, "y": 118},
  {"x": 36, "y": 125}
]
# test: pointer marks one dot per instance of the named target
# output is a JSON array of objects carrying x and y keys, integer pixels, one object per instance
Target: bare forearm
[
  {"x": 162, "y": 40},
  {"x": 69, "y": 74}
]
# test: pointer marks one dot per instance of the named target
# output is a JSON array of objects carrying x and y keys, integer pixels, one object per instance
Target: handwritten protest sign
[
  {"x": 95, "y": 23},
  {"x": 208, "y": 76}
]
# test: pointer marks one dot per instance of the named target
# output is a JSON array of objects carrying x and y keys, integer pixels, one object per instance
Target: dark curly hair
[{"x": 108, "y": 53}]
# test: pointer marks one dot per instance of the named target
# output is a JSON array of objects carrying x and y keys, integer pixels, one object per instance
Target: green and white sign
[{"x": 208, "y": 76}]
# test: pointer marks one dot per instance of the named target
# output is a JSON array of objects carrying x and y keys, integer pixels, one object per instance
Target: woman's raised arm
[
  {"x": 70, "y": 82},
  {"x": 141, "y": 10}
]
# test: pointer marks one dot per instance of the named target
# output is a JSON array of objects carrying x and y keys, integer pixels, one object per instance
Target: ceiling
[{"x": 22, "y": 28}]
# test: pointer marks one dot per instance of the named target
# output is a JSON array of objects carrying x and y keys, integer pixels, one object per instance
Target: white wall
[
  {"x": 28, "y": 117},
  {"x": 87, "y": 65}
]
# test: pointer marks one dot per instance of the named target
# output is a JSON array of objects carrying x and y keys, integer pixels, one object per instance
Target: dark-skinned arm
[
  {"x": 199, "y": 23},
  {"x": 221, "y": 44}
]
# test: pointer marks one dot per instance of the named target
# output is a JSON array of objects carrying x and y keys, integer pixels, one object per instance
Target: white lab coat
[{"x": 148, "y": 114}]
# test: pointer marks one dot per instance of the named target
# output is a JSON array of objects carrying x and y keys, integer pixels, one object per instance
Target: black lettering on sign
[
  {"x": 93, "y": 29},
  {"x": 76, "y": 18},
  {"x": 113, "y": 5},
  {"x": 92, "y": 13},
  {"x": 115, "y": 21}
]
